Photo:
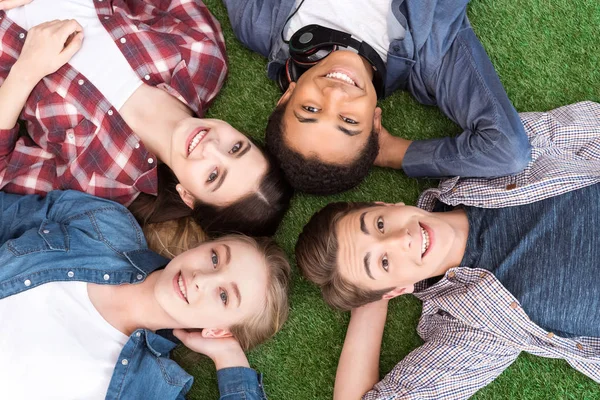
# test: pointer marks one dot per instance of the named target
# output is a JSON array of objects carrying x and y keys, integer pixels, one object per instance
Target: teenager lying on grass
[
  {"x": 502, "y": 266},
  {"x": 81, "y": 298},
  {"x": 111, "y": 93},
  {"x": 326, "y": 131}
]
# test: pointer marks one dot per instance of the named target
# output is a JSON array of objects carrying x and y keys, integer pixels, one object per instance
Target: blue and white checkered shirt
[{"x": 473, "y": 327}]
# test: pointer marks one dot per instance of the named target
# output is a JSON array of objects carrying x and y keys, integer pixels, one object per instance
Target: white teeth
[
  {"x": 196, "y": 140},
  {"x": 182, "y": 286},
  {"x": 341, "y": 77},
  {"x": 424, "y": 241}
]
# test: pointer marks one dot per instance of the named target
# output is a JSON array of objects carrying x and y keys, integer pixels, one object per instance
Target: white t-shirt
[
  {"x": 55, "y": 345},
  {"x": 99, "y": 58},
  {"x": 365, "y": 20}
]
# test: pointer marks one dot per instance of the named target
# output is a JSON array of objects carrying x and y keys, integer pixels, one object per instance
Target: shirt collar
[{"x": 145, "y": 261}]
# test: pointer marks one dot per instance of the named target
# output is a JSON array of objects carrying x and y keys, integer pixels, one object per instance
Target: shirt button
[
  {"x": 70, "y": 274},
  {"x": 147, "y": 77},
  {"x": 550, "y": 335},
  {"x": 579, "y": 346},
  {"x": 150, "y": 160},
  {"x": 21, "y": 35},
  {"x": 46, "y": 231},
  {"x": 110, "y": 112},
  {"x": 514, "y": 305},
  {"x": 106, "y": 277},
  {"x": 137, "y": 145},
  {"x": 454, "y": 189},
  {"x": 124, "y": 361},
  {"x": 123, "y": 40},
  {"x": 140, "y": 276},
  {"x": 511, "y": 186},
  {"x": 70, "y": 134},
  {"x": 80, "y": 82},
  {"x": 137, "y": 334},
  {"x": 27, "y": 282},
  {"x": 451, "y": 274},
  {"x": 106, "y": 17}
]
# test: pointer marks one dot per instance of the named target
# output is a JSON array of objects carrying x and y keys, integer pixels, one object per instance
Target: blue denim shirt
[
  {"x": 440, "y": 62},
  {"x": 72, "y": 236}
]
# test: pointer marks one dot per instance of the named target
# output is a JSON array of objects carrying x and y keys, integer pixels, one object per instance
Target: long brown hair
[{"x": 256, "y": 214}]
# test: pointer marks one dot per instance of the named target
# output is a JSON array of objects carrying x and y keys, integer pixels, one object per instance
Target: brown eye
[
  {"x": 213, "y": 175},
  {"x": 236, "y": 147},
  {"x": 380, "y": 225},
  {"x": 310, "y": 109},
  {"x": 349, "y": 121},
  {"x": 385, "y": 263}
]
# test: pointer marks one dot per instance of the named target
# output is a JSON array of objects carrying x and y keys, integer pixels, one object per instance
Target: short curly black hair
[{"x": 313, "y": 175}]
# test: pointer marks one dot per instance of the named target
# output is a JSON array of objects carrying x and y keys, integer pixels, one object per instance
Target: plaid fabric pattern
[
  {"x": 472, "y": 327},
  {"x": 76, "y": 139}
]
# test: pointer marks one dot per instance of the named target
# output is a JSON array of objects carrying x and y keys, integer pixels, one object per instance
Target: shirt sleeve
[
  {"x": 8, "y": 139},
  {"x": 454, "y": 364},
  {"x": 240, "y": 383}
]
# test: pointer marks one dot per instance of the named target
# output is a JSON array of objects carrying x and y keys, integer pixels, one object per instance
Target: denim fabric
[
  {"x": 74, "y": 236},
  {"x": 441, "y": 62},
  {"x": 546, "y": 255}
]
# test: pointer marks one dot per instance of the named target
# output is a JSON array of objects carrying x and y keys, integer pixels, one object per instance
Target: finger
[
  {"x": 67, "y": 27},
  {"x": 72, "y": 46},
  {"x": 9, "y": 4}
]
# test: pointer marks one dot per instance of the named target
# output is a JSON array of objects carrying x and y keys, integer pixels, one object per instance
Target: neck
[
  {"x": 131, "y": 307},
  {"x": 460, "y": 223},
  {"x": 153, "y": 114}
]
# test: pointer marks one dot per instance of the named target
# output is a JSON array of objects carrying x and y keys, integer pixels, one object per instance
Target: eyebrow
[
  {"x": 219, "y": 182},
  {"x": 348, "y": 131},
  {"x": 227, "y": 254},
  {"x": 367, "y": 266},
  {"x": 305, "y": 120},
  {"x": 244, "y": 150},
  {"x": 363, "y": 226},
  {"x": 237, "y": 293}
]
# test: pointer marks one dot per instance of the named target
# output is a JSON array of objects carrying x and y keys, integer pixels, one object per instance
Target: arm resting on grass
[
  {"x": 358, "y": 368},
  {"x": 452, "y": 365}
]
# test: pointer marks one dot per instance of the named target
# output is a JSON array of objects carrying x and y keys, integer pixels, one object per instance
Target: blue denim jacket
[
  {"x": 70, "y": 235},
  {"x": 440, "y": 62}
]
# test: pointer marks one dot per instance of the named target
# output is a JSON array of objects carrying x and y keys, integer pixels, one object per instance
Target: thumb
[{"x": 72, "y": 46}]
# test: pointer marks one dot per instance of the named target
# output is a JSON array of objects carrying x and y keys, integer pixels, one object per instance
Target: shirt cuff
[
  {"x": 239, "y": 380},
  {"x": 418, "y": 160}
]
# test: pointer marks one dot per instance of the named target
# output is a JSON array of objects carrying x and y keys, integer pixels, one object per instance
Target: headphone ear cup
[
  {"x": 282, "y": 77},
  {"x": 310, "y": 58}
]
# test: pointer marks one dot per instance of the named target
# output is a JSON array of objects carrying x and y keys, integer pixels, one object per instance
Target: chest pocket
[{"x": 51, "y": 236}]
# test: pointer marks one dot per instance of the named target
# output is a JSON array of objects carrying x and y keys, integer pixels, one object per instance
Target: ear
[
  {"x": 398, "y": 291},
  {"x": 288, "y": 93},
  {"x": 377, "y": 119},
  {"x": 216, "y": 333},
  {"x": 185, "y": 195}
]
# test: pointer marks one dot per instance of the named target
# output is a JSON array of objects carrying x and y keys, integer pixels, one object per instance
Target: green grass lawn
[{"x": 547, "y": 54}]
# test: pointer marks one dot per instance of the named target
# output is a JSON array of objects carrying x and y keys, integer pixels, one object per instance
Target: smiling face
[
  {"x": 216, "y": 285},
  {"x": 214, "y": 162},
  {"x": 398, "y": 246},
  {"x": 331, "y": 110}
]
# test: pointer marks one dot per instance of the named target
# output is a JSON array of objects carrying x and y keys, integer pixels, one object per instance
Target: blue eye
[
  {"x": 224, "y": 296},
  {"x": 310, "y": 109},
  {"x": 215, "y": 259}
]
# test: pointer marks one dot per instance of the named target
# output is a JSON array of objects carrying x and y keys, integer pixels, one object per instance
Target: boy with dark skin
[
  {"x": 326, "y": 130},
  {"x": 502, "y": 266}
]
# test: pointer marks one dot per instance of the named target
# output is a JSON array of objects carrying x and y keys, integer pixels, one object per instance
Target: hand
[
  {"x": 10, "y": 4},
  {"x": 225, "y": 352},
  {"x": 48, "y": 47}
]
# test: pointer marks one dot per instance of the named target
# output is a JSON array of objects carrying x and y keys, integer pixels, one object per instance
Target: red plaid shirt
[{"x": 76, "y": 139}]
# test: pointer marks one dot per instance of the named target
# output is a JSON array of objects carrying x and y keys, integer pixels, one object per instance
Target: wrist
[
  {"x": 231, "y": 358},
  {"x": 22, "y": 74}
]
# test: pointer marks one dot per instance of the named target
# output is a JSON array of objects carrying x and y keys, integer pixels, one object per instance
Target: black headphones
[{"x": 313, "y": 43}]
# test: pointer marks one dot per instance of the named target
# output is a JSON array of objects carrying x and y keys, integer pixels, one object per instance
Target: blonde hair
[
  {"x": 171, "y": 238},
  {"x": 263, "y": 325}
]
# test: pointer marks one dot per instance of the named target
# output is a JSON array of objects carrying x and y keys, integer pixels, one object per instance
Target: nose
[
  {"x": 212, "y": 149},
  {"x": 333, "y": 92},
  {"x": 400, "y": 239}
]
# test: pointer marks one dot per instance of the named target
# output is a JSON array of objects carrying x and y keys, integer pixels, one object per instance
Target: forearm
[
  {"x": 13, "y": 94},
  {"x": 358, "y": 368}
]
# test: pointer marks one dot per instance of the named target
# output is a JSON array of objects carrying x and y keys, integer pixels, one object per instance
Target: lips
[
  {"x": 195, "y": 138},
  {"x": 180, "y": 287},
  {"x": 344, "y": 76}
]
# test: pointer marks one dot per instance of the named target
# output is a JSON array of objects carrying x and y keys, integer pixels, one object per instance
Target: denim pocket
[{"x": 51, "y": 236}]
